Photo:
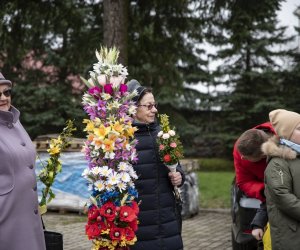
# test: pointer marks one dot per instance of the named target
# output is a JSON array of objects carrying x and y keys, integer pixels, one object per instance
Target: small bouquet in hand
[
  {"x": 53, "y": 166},
  {"x": 170, "y": 147}
]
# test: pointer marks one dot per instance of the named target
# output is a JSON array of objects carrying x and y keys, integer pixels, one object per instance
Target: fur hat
[
  {"x": 4, "y": 81},
  {"x": 284, "y": 122},
  {"x": 135, "y": 85}
]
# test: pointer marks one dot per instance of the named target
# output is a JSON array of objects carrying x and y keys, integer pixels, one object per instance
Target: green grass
[{"x": 215, "y": 188}]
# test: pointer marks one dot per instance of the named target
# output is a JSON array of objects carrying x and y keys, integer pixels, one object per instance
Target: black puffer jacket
[{"x": 159, "y": 227}]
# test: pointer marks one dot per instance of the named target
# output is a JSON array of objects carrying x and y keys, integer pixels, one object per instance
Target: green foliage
[
  {"x": 215, "y": 164},
  {"x": 162, "y": 53},
  {"x": 214, "y": 188},
  {"x": 46, "y": 45},
  {"x": 53, "y": 165},
  {"x": 43, "y": 46},
  {"x": 243, "y": 32}
]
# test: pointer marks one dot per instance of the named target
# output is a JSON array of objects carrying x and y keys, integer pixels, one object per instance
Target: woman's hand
[
  {"x": 257, "y": 233},
  {"x": 175, "y": 178}
]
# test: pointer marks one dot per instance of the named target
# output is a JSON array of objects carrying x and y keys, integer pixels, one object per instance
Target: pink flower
[
  {"x": 173, "y": 145},
  {"x": 101, "y": 80},
  {"x": 123, "y": 88},
  {"x": 95, "y": 92},
  {"x": 108, "y": 89},
  {"x": 161, "y": 147}
]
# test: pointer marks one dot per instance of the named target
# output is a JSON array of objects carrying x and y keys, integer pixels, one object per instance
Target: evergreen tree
[
  {"x": 249, "y": 42},
  {"x": 43, "y": 46}
]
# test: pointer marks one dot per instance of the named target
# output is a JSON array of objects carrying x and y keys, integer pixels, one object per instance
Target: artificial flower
[{"x": 110, "y": 151}]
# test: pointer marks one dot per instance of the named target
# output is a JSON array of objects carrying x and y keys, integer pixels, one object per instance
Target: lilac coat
[{"x": 20, "y": 221}]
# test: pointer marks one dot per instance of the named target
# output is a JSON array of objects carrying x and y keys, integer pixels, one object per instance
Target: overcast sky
[{"x": 287, "y": 18}]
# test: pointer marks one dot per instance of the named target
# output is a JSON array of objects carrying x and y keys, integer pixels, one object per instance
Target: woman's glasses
[
  {"x": 149, "y": 106},
  {"x": 6, "y": 93}
]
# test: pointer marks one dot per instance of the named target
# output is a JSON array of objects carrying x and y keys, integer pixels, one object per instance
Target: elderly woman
[
  {"x": 20, "y": 221},
  {"x": 160, "y": 226}
]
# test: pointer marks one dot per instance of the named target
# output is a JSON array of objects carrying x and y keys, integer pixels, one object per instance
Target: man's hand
[
  {"x": 257, "y": 233},
  {"x": 175, "y": 178}
]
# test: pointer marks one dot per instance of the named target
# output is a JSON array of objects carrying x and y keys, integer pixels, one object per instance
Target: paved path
[{"x": 208, "y": 230}]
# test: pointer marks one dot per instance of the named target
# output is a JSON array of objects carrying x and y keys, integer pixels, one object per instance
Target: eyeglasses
[
  {"x": 149, "y": 106},
  {"x": 6, "y": 93}
]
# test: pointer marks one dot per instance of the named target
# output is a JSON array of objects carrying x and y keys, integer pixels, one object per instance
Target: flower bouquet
[
  {"x": 110, "y": 150},
  {"x": 49, "y": 171},
  {"x": 169, "y": 146},
  {"x": 53, "y": 240}
]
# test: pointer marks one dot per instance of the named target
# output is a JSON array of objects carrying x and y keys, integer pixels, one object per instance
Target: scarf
[{"x": 290, "y": 144}]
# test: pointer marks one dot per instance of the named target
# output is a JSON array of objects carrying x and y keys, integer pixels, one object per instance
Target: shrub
[{"x": 215, "y": 164}]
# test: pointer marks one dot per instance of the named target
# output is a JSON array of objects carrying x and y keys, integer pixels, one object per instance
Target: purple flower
[
  {"x": 123, "y": 88},
  {"x": 91, "y": 111},
  {"x": 108, "y": 88}
]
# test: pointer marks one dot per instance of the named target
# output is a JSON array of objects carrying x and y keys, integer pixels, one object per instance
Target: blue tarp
[{"x": 70, "y": 179}]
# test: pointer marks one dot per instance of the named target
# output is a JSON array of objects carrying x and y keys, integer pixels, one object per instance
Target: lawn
[{"x": 215, "y": 188}]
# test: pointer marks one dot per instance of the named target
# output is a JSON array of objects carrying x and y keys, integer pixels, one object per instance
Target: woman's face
[
  {"x": 5, "y": 101},
  {"x": 146, "y": 109}
]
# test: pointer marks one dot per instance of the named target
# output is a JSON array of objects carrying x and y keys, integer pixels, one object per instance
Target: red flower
[
  {"x": 108, "y": 88},
  {"x": 135, "y": 207},
  {"x": 93, "y": 213},
  {"x": 167, "y": 158},
  {"x": 127, "y": 214},
  {"x": 129, "y": 234},
  {"x": 116, "y": 233},
  {"x": 133, "y": 225},
  {"x": 108, "y": 210},
  {"x": 92, "y": 230}
]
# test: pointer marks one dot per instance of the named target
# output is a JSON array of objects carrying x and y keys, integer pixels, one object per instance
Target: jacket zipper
[{"x": 281, "y": 176}]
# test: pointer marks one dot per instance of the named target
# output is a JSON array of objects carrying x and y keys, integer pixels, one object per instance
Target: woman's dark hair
[{"x": 145, "y": 91}]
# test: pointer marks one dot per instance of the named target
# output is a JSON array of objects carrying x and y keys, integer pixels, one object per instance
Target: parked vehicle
[{"x": 243, "y": 210}]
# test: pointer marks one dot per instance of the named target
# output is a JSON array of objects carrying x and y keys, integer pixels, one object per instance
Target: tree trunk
[{"x": 115, "y": 22}]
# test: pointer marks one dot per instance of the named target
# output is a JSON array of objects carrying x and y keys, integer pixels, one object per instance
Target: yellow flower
[
  {"x": 108, "y": 145},
  {"x": 53, "y": 150},
  {"x": 117, "y": 127},
  {"x": 102, "y": 131},
  {"x": 90, "y": 126},
  {"x": 130, "y": 131}
]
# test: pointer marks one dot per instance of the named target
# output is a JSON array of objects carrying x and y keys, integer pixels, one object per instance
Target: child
[{"x": 282, "y": 180}]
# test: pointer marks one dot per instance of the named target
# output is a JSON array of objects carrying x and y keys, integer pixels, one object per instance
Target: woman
[
  {"x": 282, "y": 180},
  {"x": 20, "y": 221},
  {"x": 159, "y": 226}
]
